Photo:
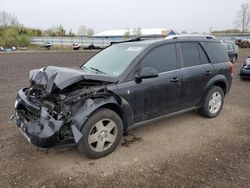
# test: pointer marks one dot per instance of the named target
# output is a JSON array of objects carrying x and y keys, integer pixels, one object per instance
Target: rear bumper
[{"x": 35, "y": 123}]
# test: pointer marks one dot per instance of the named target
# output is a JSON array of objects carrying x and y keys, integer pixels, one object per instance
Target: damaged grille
[
  {"x": 30, "y": 113},
  {"x": 36, "y": 94}
]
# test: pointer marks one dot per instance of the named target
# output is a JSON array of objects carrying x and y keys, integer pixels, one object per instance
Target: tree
[
  {"x": 243, "y": 17},
  {"x": 11, "y": 36},
  {"x": 60, "y": 31},
  {"x": 11, "y": 32},
  {"x": 126, "y": 35},
  {"x": 137, "y": 32},
  {"x": 82, "y": 30},
  {"x": 90, "y": 32},
  {"x": 50, "y": 32},
  {"x": 71, "y": 34},
  {"x": 225, "y": 31},
  {"x": 36, "y": 32},
  {"x": 184, "y": 32},
  {"x": 85, "y": 31},
  {"x": 7, "y": 19}
]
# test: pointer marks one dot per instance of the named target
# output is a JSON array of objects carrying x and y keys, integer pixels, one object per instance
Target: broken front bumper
[{"x": 35, "y": 123}]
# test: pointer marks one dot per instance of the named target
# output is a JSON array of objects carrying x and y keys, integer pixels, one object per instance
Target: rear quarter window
[{"x": 216, "y": 52}]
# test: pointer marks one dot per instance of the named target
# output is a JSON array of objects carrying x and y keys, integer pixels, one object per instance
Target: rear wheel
[
  {"x": 101, "y": 134},
  {"x": 213, "y": 102}
]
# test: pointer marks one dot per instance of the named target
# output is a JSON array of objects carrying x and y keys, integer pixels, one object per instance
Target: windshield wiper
[{"x": 97, "y": 70}]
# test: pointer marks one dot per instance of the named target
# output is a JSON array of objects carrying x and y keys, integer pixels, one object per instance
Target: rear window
[{"x": 216, "y": 52}]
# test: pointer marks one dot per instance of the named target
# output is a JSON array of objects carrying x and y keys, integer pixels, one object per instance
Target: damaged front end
[{"x": 52, "y": 111}]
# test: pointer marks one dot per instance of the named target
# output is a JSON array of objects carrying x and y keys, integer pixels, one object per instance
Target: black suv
[{"x": 123, "y": 86}]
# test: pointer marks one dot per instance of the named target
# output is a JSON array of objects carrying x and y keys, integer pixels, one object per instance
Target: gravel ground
[{"x": 183, "y": 151}]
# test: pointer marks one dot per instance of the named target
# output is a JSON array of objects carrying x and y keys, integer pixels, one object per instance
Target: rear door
[{"x": 196, "y": 70}]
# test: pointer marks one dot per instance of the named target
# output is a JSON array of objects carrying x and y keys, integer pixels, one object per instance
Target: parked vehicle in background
[
  {"x": 92, "y": 47},
  {"x": 76, "y": 46},
  {"x": 121, "y": 87},
  {"x": 245, "y": 69},
  {"x": 46, "y": 45},
  {"x": 232, "y": 51},
  {"x": 7, "y": 49}
]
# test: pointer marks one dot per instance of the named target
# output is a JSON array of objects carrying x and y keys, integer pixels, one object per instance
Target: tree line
[{"x": 13, "y": 33}]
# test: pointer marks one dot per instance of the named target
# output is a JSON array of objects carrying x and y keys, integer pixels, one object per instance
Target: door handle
[
  {"x": 208, "y": 73},
  {"x": 176, "y": 79}
]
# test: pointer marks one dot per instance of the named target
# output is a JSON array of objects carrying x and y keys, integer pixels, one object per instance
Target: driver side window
[{"x": 162, "y": 58}]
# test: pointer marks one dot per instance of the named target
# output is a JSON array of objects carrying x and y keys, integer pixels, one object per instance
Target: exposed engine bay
[{"x": 53, "y": 108}]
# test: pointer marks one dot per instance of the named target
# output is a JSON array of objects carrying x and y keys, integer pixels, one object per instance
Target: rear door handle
[
  {"x": 175, "y": 79},
  {"x": 207, "y": 73}
]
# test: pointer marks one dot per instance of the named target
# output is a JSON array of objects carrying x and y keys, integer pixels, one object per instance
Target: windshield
[{"x": 115, "y": 59}]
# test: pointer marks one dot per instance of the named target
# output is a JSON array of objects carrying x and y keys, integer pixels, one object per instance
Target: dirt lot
[{"x": 184, "y": 151}]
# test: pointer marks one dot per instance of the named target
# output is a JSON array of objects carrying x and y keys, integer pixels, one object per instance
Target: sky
[{"x": 189, "y": 15}]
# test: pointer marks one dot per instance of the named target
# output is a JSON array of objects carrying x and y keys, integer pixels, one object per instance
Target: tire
[
  {"x": 213, "y": 102},
  {"x": 102, "y": 133}
]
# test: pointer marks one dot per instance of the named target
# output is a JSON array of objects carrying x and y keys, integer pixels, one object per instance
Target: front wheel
[
  {"x": 213, "y": 102},
  {"x": 101, "y": 134}
]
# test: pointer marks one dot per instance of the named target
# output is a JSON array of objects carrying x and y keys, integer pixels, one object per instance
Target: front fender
[
  {"x": 80, "y": 117},
  {"x": 88, "y": 108}
]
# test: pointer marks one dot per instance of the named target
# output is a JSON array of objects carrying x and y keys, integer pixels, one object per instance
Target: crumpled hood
[{"x": 61, "y": 77}]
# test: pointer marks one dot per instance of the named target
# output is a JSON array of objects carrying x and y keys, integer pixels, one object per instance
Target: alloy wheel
[
  {"x": 215, "y": 102},
  {"x": 102, "y": 135}
]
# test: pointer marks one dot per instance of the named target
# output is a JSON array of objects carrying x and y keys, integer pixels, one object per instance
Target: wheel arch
[
  {"x": 222, "y": 85},
  {"x": 121, "y": 107},
  {"x": 218, "y": 80}
]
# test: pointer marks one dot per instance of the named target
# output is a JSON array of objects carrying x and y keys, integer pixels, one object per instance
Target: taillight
[{"x": 231, "y": 68}]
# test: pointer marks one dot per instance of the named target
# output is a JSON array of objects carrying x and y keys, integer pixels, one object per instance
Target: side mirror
[{"x": 146, "y": 72}]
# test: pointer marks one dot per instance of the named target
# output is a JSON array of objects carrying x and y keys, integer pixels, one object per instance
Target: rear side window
[
  {"x": 162, "y": 58},
  {"x": 190, "y": 54},
  {"x": 216, "y": 52},
  {"x": 203, "y": 57}
]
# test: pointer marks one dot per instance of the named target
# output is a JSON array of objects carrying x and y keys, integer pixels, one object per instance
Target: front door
[{"x": 155, "y": 97}]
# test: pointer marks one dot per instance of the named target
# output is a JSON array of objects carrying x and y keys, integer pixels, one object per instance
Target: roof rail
[
  {"x": 191, "y": 36},
  {"x": 135, "y": 39}
]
